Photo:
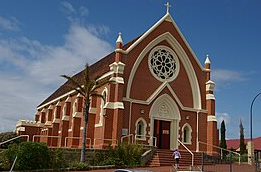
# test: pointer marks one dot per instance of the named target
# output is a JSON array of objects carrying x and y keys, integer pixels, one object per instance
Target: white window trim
[
  {"x": 189, "y": 142},
  {"x": 144, "y": 129},
  {"x": 102, "y": 105}
]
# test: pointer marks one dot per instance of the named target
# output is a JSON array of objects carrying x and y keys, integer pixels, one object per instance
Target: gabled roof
[
  {"x": 102, "y": 66},
  {"x": 234, "y": 143},
  {"x": 98, "y": 68},
  {"x": 166, "y": 17}
]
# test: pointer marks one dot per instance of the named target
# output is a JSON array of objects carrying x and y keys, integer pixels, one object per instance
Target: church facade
[{"x": 162, "y": 96}]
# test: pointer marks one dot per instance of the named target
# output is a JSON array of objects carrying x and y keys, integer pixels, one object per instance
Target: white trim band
[
  {"x": 56, "y": 120},
  {"x": 114, "y": 105},
  {"x": 77, "y": 115},
  {"x": 117, "y": 80},
  {"x": 212, "y": 118},
  {"x": 117, "y": 67},
  {"x": 93, "y": 110},
  {"x": 65, "y": 118},
  {"x": 210, "y": 97}
]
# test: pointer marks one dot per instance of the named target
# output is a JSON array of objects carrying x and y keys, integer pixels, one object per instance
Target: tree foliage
[
  {"x": 30, "y": 156},
  {"x": 6, "y": 136},
  {"x": 87, "y": 87},
  {"x": 121, "y": 156},
  {"x": 223, "y": 143},
  {"x": 242, "y": 144}
]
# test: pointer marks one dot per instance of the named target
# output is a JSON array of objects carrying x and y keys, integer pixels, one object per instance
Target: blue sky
[{"x": 39, "y": 40}]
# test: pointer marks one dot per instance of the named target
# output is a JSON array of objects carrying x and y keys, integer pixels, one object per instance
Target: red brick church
[{"x": 162, "y": 96}]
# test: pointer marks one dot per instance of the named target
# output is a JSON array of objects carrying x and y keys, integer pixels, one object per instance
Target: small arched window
[
  {"x": 141, "y": 129},
  {"x": 75, "y": 107},
  {"x": 64, "y": 110},
  {"x": 102, "y": 109},
  {"x": 186, "y": 134}
]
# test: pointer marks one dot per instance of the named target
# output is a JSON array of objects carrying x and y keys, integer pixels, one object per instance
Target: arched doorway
[{"x": 164, "y": 120}]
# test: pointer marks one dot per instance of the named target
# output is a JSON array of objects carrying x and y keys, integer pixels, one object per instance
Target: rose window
[{"x": 163, "y": 63}]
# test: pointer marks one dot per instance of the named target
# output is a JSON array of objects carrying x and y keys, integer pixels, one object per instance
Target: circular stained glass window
[{"x": 163, "y": 63}]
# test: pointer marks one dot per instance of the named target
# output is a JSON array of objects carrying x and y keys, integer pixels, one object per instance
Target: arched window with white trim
[
  {"x": 64, "y": 110},
  {"x": 140, "y": 131},
  {"x": 75, "y": 106},
  {"x": 186, "y": 134},
  {"x": 102, "y": 110}
]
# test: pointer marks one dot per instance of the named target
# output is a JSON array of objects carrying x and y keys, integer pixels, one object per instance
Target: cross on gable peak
[{"x": 168, "y": 6}]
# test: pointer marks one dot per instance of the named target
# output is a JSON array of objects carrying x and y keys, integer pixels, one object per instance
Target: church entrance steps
[{"x": 163, "y": 157}]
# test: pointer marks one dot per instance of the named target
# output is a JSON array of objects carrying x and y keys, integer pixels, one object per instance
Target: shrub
[
  {"x": 6, "y": 136},
  {"x": 122, "y": 155},
  {"x": 8, "y": 156},
  {"x": 32, "y": 155},
  {"x": 78, "y": 165},
  {"x": 58, "y": 159}
]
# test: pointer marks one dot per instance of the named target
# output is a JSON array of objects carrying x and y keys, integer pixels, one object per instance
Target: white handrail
[
  {"x": 239, "y": 160},
  {"x": 127, "y": 136},
  {"x": 146, "y": 136},
  {"x": 13, "y": 164},
  {"x": 192, "y": 163},
  {"x": 59, "y": 137},
  {"x": 15, "y": 138},
  {"x": 66, "y": 138},
  {"x": 112, "y": 140}
]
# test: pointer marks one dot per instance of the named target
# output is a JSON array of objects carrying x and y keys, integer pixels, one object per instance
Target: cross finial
[{"x": 168, "y": 6}]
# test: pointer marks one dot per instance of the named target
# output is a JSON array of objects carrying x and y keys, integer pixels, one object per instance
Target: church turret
[
  {"x": 119, "y": 44},
  {"x": 114, "y": 107},
  {"x": 207, "y": 68},
  {"x": 212, "y": 133}
]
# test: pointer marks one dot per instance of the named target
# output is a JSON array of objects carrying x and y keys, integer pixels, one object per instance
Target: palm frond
[
  {"x": 102, "y": 83},
  {"x": 74, "y": 84},
  {"x": 95, "y": 94}
]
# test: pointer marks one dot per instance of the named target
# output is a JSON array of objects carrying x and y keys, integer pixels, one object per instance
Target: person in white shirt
[{"x": 176, "y": 155}]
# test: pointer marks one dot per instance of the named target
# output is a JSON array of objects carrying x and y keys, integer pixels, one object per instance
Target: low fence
[
  {"x": 229, "y": 163},
  {"x": 95, "y": 143}
]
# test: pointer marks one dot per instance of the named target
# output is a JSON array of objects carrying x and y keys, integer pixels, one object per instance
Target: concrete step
[{"x": 163, "y": 157}]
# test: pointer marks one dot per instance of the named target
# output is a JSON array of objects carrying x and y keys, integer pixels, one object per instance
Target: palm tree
[{"x": 87, "y": 87}]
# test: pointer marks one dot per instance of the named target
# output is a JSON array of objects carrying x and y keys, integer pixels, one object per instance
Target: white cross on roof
[{"x": 168, "y": 6}]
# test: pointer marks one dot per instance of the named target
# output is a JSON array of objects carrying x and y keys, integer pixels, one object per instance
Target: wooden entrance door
[{"x": 162, "y": 133}]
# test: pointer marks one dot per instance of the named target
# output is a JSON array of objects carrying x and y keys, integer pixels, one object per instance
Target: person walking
[{"x": 176, "y": 155}]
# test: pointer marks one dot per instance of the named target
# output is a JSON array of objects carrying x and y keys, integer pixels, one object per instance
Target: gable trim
[
  {"x": 157, "y": 92},
  {"x": 167, "y": 17},
  {"x": 182, "y": 57}
]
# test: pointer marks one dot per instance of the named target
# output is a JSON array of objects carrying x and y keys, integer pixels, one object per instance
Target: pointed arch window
[
  {"x": 102, "y": 109},
  {"x": 75, "y": 106},
  {"x": 186, "y": 134},
  {"x": 64, "y": 110},
  {"x": 140, "y": 131}
]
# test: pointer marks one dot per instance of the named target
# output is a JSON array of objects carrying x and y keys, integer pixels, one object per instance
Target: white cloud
[
  {"x": 84, "y": 11},
  {"x": 232, "y": 122},
  {"x": 29, "y": 70},
  {"x": 221, "y": 117},
  {"x": 9, "y": 24},
  {"x": 224, "y": 75},
  {"x": 67, "y": 8}
]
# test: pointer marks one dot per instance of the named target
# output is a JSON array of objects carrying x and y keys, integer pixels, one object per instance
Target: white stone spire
[
  {"x": 207, "y": 61},
  {"x": 119, "y": 40}
]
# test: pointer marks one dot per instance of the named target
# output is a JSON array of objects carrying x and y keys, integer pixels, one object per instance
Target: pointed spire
[
  {"x": 207, "y": 68},
  {"x": 207, "y": 61},
  {"x": 119, "y": 40}
]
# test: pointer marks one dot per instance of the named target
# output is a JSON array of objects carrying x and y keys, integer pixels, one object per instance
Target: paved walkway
[{"x": 213, "y": 168}]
